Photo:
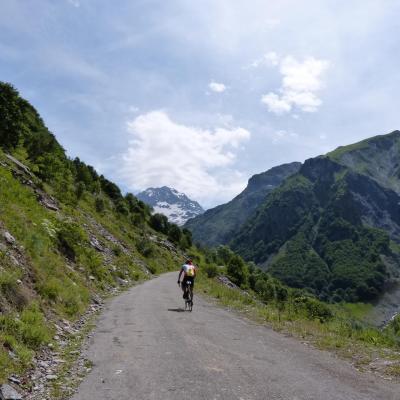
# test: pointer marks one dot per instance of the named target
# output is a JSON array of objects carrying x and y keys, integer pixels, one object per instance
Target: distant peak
[{"x": 172, "y": 203}]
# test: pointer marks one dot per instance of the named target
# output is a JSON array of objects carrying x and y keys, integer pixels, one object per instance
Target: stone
[
  {"x": 8, "y": 237},
  {"x": 122, "y": 282},
  {"x": 51, "y": 377},
  {"x": 14, "y": 379},
  {"x": 43, "y": 364},
  {"x": 9, "y": 393},
  {"x": 14, "y": 260}
]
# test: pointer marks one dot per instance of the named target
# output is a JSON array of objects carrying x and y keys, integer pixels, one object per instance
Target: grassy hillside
[
  {"x": 67, "y": 235},
  {"x": 376, "y": 157}
]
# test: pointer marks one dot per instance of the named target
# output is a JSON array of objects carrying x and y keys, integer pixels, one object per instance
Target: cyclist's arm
[{"x": 180, "y": 273}]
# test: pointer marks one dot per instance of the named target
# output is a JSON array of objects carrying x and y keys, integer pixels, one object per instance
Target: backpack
[{"x": 190, "y": 270}]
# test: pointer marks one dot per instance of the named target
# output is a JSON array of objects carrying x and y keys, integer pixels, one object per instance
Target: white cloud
[
  {"x": 301, "y": 82},
  {"x": 276, "y": 104},
  {"x": 284, "y": 136},
  {"x": 217, "y": 87},
  {"x": 196, "y": 161},
  {"x": 269, "y": 59},
  {"x": 75, "y": 3}
]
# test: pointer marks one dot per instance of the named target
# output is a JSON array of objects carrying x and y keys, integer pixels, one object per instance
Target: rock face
[
  {"x": 176, "y": 206},
  {"x": 220, "y": 224}
]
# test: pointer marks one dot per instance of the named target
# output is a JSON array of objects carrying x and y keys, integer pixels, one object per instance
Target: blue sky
[{"x": 200, "y": 95}]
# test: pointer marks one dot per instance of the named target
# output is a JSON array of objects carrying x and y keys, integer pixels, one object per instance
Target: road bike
[{"x": 189, "y": 296}]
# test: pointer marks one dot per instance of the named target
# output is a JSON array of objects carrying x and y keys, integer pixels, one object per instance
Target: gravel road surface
[{"x": 146, "y": 348}]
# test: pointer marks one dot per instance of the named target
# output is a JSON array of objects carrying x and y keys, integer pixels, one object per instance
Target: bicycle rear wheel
[{"x": 190, "y": 298}]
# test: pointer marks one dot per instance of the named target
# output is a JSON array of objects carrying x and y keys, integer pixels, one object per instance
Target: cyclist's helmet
[{"x": 188, "y": 261}]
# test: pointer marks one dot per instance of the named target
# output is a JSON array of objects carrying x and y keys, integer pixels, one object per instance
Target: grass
[
  {"x": 21, "y": 335},
  {"x": 344, "y": 334}
]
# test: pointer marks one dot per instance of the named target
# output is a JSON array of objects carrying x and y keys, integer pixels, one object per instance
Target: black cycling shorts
[{"x": 188, "y": 279}]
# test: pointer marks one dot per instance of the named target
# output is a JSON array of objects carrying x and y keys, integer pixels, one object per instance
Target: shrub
[
  {"x": 174, "y": 234},
  {"x": 144, "y": 247},
  {"x": 237, "y": 270},
  {"x": 70, "y": 237},
  {"x": 100, "y": 204},
  {"x": 313, "y": 308},
  {"x": 211, "y": 270},
  {"x": 159, "y": 222}
]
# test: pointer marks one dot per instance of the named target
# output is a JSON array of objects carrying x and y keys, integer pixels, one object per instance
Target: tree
[
  {"x": 224, "y": 254},
  {"x": 174, "y": 233},
  {"x": 237, "y": 270},
  {"x": 10, "y": 116},
  {"x": 159, "y": 222}
]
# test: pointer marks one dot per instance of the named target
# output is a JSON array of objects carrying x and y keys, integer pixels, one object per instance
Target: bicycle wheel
[{"x": 190, "y": 298}]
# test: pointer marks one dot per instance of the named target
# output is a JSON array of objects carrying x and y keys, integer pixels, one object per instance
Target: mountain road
[{"x": 146, "y": 347}]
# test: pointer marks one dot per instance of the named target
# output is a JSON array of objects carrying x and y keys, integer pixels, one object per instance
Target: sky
[{"x": 200, "y": 95}]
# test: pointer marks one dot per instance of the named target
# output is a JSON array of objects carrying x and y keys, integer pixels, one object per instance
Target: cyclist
[{"x": 189, "y": 271}]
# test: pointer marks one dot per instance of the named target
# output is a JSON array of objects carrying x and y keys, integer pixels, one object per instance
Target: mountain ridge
[{"x": 216, "y": 225}]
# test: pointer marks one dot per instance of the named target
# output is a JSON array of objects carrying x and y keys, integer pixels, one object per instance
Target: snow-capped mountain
[{"x": 175, "y": 205}]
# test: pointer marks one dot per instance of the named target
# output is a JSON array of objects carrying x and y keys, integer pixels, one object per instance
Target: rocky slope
[
  {"x": 219, "y": 225},
  {"x": 173, "y": 204}
]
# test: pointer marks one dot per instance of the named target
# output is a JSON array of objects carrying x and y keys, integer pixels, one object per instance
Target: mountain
[
  {"x": 220, "y": 224},
  {"x": 377, "y": 157},
  {"x": 331, "y": 226},
  {"x": 176, "y": 206},
  {"x": 334, "y": 227}
]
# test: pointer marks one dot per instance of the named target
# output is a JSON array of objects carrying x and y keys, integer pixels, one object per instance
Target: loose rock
[
  {"x": 9, "y": 393},
  {"x": 8, "y": 237}
]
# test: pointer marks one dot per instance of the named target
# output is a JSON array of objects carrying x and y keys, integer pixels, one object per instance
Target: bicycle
[{"x": 189, "y": 296}]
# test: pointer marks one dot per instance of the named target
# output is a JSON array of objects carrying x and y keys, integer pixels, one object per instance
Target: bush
[
  {"x": 159, "y": 222},
  {"x": 237, "y": 270},
  {"x": 100, "y": 204},
  {"x": 145, "y": 247},
  {"x": 70, "y": 237},
  {"x": 211, "y": 270},
  {"x": 313, "y": 308},
  {"x": 174, "y": 234}
]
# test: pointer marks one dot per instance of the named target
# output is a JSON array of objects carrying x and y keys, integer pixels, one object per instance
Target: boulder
[{"x": 9, "y": 393}]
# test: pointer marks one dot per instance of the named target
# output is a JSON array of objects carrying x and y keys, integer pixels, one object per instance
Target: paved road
[{"x": 145, "y": 348}]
